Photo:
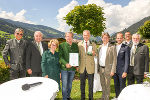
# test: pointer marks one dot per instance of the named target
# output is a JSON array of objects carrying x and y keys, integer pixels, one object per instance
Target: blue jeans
[{"x": 67, "y": 78}]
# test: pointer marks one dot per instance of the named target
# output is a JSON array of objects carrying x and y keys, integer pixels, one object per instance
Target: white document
[{"x": 74, "y": 59}]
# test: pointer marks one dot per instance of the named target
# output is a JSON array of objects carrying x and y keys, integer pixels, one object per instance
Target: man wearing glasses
[{"x": 16, "y": 49}]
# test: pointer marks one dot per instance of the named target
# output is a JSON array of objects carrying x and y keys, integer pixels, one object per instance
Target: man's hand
[
  {"x": 77, "y": 69},
  {"x": 93, "y": 52},
  {"x": 124, "y": 75},
  {"x": 112, "y": 74},
  {"x": 68, "y": 66},
  {"x": 29, "y": 71},
  {"x": 145, "y": 75},
  {"x": 60, "y": 75},
  {"x": 46, "y": 76}
]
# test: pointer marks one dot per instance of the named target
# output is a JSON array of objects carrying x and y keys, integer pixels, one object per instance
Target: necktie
[
  {"x": 86, "y": 46},
  {"x": 132, "y": 56},
  {"x": 39, "y": 48}
]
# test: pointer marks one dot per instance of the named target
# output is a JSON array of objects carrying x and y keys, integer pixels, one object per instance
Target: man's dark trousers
[{"x": 90, "y": 84}]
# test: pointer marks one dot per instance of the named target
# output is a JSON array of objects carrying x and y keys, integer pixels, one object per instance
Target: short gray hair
[
  {"x": 136, "y": 34},
  {"x": 87, "y": 31},
  {"x": 38, "y": 32},
  {"x": 19, "y": 30}
]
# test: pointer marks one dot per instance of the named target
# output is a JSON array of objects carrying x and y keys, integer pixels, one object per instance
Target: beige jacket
[
  {"x": 86, "y": 61},
  {"x": 111, "y": 59}
]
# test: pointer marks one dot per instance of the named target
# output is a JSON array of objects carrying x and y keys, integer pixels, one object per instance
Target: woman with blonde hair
[{"x": 50, "y": 62}]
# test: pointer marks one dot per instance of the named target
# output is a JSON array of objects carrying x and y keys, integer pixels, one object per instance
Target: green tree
[
  {"x": 86, "y": 17},
  {"x": 145, "y": 30}
]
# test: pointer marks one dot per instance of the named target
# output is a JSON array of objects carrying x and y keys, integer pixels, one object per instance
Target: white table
[
  {"x": 135, "y": 92},
  {"x": 12, "y": 90}
]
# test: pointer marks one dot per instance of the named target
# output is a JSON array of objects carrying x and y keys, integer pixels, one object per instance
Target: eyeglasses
[{"x": 19, "y": 34}]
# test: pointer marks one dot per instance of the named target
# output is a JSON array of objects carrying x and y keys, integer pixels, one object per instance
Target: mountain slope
[
  {"x": 134, "y": 28},
  {"x": 9, "y": 26}
]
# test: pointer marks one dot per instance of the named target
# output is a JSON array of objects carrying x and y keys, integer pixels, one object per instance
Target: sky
[{"x": 119, "y": 14}]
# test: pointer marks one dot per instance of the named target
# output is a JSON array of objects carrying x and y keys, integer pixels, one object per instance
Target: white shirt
[
  {"x": 102, "y": 55},
  {"x": 118, "y": 48},
  {"x": 41, "y": 48},
  {"x": 18, "y": 41},
  {"x": 88, "y": 42},
  {"x": 132, "y": 49}
]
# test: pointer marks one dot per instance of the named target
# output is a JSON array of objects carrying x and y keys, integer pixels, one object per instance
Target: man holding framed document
[{"x": 68, "y": 53}]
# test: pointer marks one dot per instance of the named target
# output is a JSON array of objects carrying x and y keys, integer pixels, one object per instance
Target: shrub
[{"x": 4, "y": 72}]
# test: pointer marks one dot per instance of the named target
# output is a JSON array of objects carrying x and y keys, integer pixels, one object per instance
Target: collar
[
  {"x": 38, "y": 43},
  {"x": 17, "y": 40},
  {"x": 85, "y": 41},
  {"x": 105, "y": 45},
  {"x": 119, "y": 44}
]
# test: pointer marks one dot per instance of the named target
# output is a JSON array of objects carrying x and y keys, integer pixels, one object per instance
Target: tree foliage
[
  {"x": 86, "y": 17},
  {"x": 145, "y": 30}
]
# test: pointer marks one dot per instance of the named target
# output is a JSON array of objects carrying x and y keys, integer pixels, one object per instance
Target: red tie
[{"x": 86, "y": 46}]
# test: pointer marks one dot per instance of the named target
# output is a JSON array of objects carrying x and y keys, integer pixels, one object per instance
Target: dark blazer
[
  {"x": 123, "y": 59},
  {"x": 16, "y": 51},
  {"x": 33, "y": 58},
  {"x": 141, "y": 59}
]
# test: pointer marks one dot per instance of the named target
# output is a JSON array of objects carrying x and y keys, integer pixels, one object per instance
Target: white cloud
[
  {"x": 42, "y": 20},
  {"x": 117, "y": 17},
  {"x": 16, "y": 17},
  {"x": 62, "y": 13}
]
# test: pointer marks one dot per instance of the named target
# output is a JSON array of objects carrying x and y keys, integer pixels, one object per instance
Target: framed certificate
[{"x": 74, "y": 59}]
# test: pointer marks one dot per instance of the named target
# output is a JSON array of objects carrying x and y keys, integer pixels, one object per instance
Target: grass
[{"x": 75, "y": 93}]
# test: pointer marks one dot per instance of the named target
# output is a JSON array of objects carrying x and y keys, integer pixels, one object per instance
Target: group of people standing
[{"x": 128, "y": 58}]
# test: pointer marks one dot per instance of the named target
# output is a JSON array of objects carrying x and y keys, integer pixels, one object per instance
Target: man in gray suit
[
  {"x": 139, "y": 61},
  {"x": 34, "y": 55},
  {"x": 106, "y": 65},
  {"x": 16, "y": 49}
]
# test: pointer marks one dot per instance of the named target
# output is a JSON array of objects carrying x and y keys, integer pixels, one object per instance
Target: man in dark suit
[
  {"x": 34, "y": 55},
  {"x": 16, "y": 48},
  {"x": 123, "y": 60},
  {"x": 139, "y": 61}
]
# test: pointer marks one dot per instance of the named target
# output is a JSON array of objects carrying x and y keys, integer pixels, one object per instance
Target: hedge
[{"x": 4, "y": 73}]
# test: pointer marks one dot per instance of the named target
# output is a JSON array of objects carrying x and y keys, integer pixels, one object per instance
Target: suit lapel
[
  {"x": 108, "y": 50},
  {"x": 14, "y": 42},
  {"x": 99, "y": 48},
  {"x": 43, "y": 46},
  {"x": 34, "y": 43},
  {"x": 82, "y": 47},
  {"x": 138, "y": 47},
  {"x": 121, "y": 48}
]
